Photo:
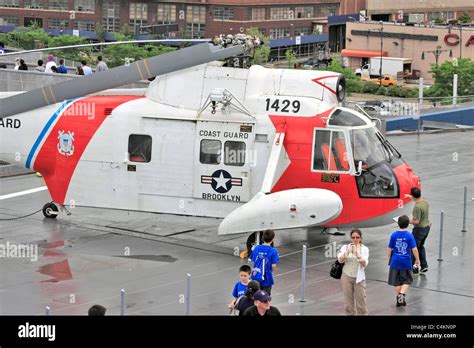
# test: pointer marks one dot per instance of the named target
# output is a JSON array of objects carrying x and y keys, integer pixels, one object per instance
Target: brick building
[
  {"x": 192, "y": 18},
  {"x": 365, "y": 40},
  {"x": 418, "y": 11}
]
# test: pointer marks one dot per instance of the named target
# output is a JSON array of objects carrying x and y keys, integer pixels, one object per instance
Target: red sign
[{"x": 453, "y": 40}]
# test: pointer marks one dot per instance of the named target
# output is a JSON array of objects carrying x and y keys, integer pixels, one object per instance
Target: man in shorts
[{"x": 400, "y": 246}]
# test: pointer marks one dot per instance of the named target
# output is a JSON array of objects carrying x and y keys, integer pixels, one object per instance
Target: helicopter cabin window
[
  {"x": 210, "y": 151},
  {"x": 330, "y": 151},
  {"x": 139, "y": 148},
  {"x": 234, "y": 153}
]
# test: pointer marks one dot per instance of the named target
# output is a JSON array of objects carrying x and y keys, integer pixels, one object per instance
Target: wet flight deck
[{"x": 88, "y": 257}]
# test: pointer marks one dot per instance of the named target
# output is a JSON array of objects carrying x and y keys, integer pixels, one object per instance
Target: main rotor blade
[
  {"x": 116, "y": 77},
  {"x": 103, "y": 44}
]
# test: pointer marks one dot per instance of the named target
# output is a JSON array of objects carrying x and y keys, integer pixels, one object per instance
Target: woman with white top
[{"x": 355, "y": 257}]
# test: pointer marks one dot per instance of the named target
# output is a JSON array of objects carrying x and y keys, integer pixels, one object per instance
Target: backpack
[{"x": 258, "y": 272}]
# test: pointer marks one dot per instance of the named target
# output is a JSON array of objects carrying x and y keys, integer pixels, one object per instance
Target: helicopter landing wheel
[
  {"x": 50, "y": 211},
  {"x": 252, "y": 241}
]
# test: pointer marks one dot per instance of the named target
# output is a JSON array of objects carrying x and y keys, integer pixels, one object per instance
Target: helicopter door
[{"x": 223, "y": 159}]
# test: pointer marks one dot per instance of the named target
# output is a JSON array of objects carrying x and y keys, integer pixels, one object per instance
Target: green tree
[
  {"x": 261, "y": 53},
  {"x": 290, "y": 56},
  {"x": 29, "y": 38},
  {"x": 76, "y": 54},
  {"x": 117, "y": 55},
  {"x": 439, "y": 20},
  {"x": 126, "y": 32},
  {"x": 100, "y": 32},
  {"x": 336, "y": 66},
  {"x": 465, "y": 18},
  {"x": 443, "y": 76}
]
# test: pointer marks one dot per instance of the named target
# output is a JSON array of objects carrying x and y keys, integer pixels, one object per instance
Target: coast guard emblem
[{"x": 65, "y": 143}]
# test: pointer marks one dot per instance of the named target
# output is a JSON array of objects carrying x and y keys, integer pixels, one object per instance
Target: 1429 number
[{"x": 283, "y": 105}]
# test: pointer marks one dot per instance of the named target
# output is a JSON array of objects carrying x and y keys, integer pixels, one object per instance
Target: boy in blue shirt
[
  {"x": 265, "y": 258},
  {"x": 400, "y": 246},
  {"x": 241, "y": 286}
]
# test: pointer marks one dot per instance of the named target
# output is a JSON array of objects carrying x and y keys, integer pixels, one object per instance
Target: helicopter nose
[{"x": 414, "y": 179}]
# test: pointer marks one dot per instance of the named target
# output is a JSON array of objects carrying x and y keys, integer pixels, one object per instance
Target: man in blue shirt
[
  {"x": 400, "y": 246},
  {"x": 2, "y": 48},
  {"x": 265, "y": 258},
  {"x": 61, "y": 68}
]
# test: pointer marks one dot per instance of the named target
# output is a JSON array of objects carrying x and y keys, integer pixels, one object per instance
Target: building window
[
  {"x": 443, "y": 15},
  {"x": 304, "y": 31},
  {"x": 9, "y": 20},
  {"x": 55, "y": 23},
  {"x": 166, "y": 14},
  {"x": 195, "y": 21},
  {"x": 196, "y": 30},
  {"x": 111, "y": 15},
  {"x": 210, "y": 151},
  {"x": 88, "y": 25},
  {"x": 9, "y": 3},
  {"x": 257, "y": 14},
  {"x": 223, "y": 13},
  {"x": 279, "y": 33},
  {"x": 326, "y": 10},
  {"x": 36, "y": 4},
  {"x": 304, "y": 12},
  {"x": 234, "y": 153},
  {"x": 61, "y": 5},
  {"x": 84, "y": 5},
  {"x": 139, "y": 148},
  {"x": 138, "y": 15},
  {"x": 280, "y": 12},
  {"x": 196, "y": 14}
]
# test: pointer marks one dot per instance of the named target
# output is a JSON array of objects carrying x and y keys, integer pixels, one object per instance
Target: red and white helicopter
[{"x": 261, "y": 148}]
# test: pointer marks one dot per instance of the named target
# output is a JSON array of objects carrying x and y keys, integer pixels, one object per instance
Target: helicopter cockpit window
[
  {"x": 368, "y": 147},
  {"x": 377, "y": 179},
  {"x": 139, "y": 148},
  {"x": 341, "y": 117},
  {"x": 330, "y": 151},
  {"x": 210, "y": 151}
]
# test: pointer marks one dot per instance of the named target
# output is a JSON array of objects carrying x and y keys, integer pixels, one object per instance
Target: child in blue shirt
[
  {"x": 241, "y": 286},
  {"x": 265, "y": 258},
  {"x": 399, "y": 247}
]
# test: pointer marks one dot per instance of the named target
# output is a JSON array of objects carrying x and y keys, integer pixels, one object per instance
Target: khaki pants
[{"x": 354, "y": 295}]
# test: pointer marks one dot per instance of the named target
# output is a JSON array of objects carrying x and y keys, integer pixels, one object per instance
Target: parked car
[
  {"x": 310, "y": 64},
  {"x": 387, "y": 80}
]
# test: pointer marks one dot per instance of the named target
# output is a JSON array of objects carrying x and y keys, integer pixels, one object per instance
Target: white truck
[{"x": 398, "y": 67}]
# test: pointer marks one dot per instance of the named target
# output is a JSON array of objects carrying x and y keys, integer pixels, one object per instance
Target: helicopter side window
[
  {"x": 139, "y": 148},
  {"x": 330, "y": 151},
  {"x": 210, "y": 151},
  {"x": 234, "y": 153}
]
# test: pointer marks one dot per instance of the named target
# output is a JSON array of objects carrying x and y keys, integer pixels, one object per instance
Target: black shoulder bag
[{"x": 336, "y": 269}]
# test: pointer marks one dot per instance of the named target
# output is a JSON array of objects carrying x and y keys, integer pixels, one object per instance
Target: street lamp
[
  {"x": 437, "y": 53},
  {"x": 381, "y": 50},
  {"x": 459, "y": 26}
]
